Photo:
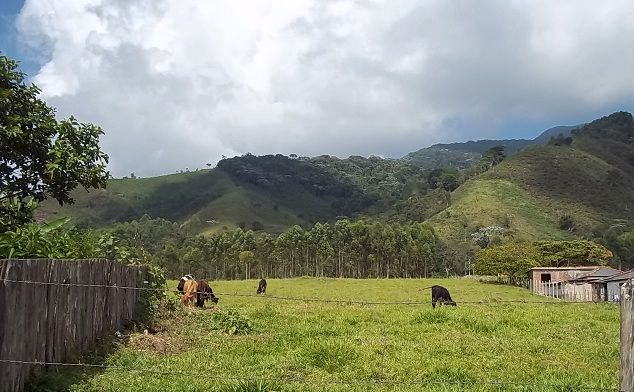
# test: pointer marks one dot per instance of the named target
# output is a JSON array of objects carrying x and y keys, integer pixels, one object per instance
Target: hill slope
[
  {"x": 206, "y": 200},
  {"x": 271, "y": 192},
  {"x": 591, "y": 182}
]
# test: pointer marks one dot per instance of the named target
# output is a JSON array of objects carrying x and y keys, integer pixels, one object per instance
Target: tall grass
[{"x": 450, "y": 349}]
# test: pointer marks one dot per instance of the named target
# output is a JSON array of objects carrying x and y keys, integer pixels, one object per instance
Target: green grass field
[{"x": 447, "y": 349}]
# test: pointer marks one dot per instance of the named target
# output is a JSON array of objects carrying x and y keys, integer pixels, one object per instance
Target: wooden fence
[
  {"x": 46, "y": 322},
  {"x": 626, "y": 372},
  {"x": 566, "y": 291}
]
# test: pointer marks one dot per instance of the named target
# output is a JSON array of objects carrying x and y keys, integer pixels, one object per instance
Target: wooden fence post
[{"x": 626, "y": 373}]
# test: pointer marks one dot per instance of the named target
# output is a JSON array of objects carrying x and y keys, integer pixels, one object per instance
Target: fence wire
[
  {"x": 287, "y": 298},
  {"x": 566, "y": 387}
]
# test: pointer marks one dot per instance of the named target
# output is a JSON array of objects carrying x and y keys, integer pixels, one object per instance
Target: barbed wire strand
[
  {"x": 309, "y": 381},
  {"x": 325, "y": 300}
]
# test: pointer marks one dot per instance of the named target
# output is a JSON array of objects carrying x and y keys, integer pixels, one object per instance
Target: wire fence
[
  {"x": 371, "y": 383},
  {"x": 288, "y": 298}
]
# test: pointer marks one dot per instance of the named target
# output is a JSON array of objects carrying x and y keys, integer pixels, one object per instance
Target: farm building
[
  {"x": 612, "y": 285},
  {"x": 585, "y": 283}
]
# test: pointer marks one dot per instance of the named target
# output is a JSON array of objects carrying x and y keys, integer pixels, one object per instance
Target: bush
[
  {"x": 566, "y": 223},
  {"x": 231, "y": 322}
]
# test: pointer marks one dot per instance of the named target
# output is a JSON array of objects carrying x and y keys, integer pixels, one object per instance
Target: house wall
[
  {"x": 558, "y": 275},
  {"x": 579, "y": 292},
  {"x": 566, "y": 291},
  {"x": 614, "y": 291}
]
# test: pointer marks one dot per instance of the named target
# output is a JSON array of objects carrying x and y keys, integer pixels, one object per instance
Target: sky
[{"x": 177, "y": 84}]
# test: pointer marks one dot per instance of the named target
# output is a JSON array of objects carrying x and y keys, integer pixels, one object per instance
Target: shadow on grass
[{"x": 63, "y": 377}]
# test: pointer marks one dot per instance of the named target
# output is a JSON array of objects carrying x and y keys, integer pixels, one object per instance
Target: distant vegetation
[
  {"x": 464, "y": 155},
  {"x": 570, "y": 186}
]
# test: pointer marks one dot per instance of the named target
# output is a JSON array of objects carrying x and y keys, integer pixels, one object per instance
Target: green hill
[
  {"x": 590, "y": 183},
  {"x": 540, "y": 192},
  {"x": 206, "y": 200},
  {"x": 271, "y": 193}
]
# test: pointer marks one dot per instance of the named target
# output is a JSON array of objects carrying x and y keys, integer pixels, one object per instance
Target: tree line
[{"x": 347, "y": 249}]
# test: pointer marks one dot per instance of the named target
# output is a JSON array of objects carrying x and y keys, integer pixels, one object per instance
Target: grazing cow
[
  {"x": 204, "y": 292},
  {"x": 439, "y": 293},
  {"x": 181, "y": 283},
  {"x": 261, "y": 287},
  {"x": 189, "y": 291}
]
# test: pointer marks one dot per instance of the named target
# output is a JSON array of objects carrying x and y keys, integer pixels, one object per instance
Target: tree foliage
[
  {"x": 516, "y": 259},
  {"x": 41, "y": 157},
  {"x": 513, "y": 260},
  {"x": 617, "y": 126},
  {"x": 560, "y": 140},
  {"x": 573, "y": 253},
  {"x": 355, "y": 184}
]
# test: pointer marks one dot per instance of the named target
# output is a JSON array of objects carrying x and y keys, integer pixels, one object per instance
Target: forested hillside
[
  {"x": 269, "y": 193},
  {"x": 573, "y": 187}
]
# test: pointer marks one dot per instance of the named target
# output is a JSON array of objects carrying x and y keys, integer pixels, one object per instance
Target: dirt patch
[{"x": 161, "y": 343}]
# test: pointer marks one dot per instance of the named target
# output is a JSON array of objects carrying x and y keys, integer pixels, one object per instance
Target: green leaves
[
  {"x": 37, "y": 241},
  {"x": 39, "y": 156},
  {"x": 232, "y": 322},
  {"x": 516, "y": 259}
]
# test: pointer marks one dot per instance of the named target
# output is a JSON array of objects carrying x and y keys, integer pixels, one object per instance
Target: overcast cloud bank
[{"x": 178, "y": 83}]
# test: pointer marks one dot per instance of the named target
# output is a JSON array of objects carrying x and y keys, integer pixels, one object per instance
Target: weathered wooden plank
[
  {"x": 47, "y": 322},
  {"x": 4, "y": 303},
  {"x": 626, "y": 374},
  {"x": 27, "y": 327},
  {"x": 20, "y": 315},
  {"x": 52, "y": 315},
  {"x": 6, "y": 349}
]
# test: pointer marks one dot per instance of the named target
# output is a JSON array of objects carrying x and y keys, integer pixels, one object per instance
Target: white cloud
[{"x": 178, "y": 83}]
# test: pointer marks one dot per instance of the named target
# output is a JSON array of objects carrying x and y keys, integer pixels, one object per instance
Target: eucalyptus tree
[
  {"x": 342, "y": 236},
  {"x": 265, "y": 255},
  {"x": 321, "y": 240},
  {"x": 289, "y": 244},
  {"x": 361, "y": 246}
]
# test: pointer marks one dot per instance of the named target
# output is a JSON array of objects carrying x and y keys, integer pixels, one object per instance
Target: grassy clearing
[{"x": 562, "y": 344}]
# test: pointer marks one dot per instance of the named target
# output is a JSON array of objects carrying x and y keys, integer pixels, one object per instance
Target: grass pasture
[{"x": 409, "y": 347}]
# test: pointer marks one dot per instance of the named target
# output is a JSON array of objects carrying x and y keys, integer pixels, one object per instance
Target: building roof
[
  {"x": 620, "y": 277},
  {"x": 583, "y": 268},
  {"x": 598, "y": 274}
]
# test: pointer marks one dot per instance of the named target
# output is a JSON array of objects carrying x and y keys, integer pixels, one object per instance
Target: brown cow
[
  {"x": 204, "y": 292},
  {"x": 189, "y": 290}
]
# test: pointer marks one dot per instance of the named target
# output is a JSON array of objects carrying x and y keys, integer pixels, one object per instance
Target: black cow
[
  {"x": 181, "y": 283},
  {"x": 204, "y": 292},
  {"x": 261, "y": 287},
  {"x": 439, "y": 293}
]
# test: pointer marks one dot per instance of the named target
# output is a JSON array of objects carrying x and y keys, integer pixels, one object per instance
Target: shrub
[
  {"x": 566, "y": 223},
  {"x": 231, "y": 322}
]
